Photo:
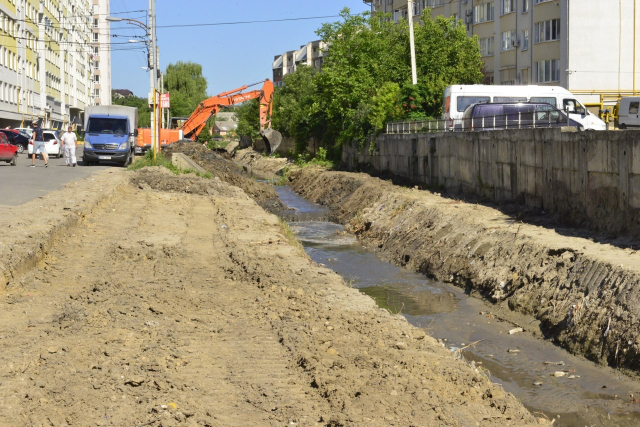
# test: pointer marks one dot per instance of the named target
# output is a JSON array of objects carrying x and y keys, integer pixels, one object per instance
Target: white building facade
[
  {"x": 45, "y": 61},
  {"x": 310, "y": 55},
  {"x": 101, "y": 60},
  {"x": 590, "y": 47}
]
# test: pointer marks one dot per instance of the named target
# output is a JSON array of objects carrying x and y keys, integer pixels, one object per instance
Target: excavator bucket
[{"x": 272, "y": 139}]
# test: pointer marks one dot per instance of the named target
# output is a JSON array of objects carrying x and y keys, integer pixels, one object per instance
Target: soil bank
[
  {"x": 583, "y": 294},
  {"x": 152, "y": 299}
]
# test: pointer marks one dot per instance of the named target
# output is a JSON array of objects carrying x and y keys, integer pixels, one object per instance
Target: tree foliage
[
  {"x": 249, "y": 119},
  {"x": 187, "y": 86},
  {"x": 366, "y": 78},
  {"x": 144, "y": 112}
]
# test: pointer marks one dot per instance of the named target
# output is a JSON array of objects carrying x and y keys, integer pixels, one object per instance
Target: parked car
[
  {"x": 511, "y": 115},
  {"x": 26, "y": 131},
  {"x": 8, "y": 152},
  {"x": 629, "y": 112},
  {"x": 16, "y": 138},
  {"x": 51, "y": 144}
]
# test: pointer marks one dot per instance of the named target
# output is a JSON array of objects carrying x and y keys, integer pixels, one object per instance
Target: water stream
[{"x": 586, "y": 394}]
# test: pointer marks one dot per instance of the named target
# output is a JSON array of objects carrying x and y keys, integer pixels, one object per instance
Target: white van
[
  {"x": 457, "y": 98},
  {"x": 629, "y": 112}
]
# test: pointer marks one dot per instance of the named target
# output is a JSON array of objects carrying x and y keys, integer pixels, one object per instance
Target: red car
[{"x": 8, "y": 152}]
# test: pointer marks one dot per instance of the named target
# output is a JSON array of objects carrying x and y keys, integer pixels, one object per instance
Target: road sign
[{"x": 165, "y": 100}]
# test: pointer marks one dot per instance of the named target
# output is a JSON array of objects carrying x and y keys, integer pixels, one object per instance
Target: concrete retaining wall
[{"x": 588, "y": 178}]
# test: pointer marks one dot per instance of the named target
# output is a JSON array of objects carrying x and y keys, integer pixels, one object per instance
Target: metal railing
[{"x": 538, "y": 119}]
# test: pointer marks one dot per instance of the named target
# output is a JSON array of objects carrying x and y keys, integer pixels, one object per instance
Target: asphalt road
[{"x": 20, "y": 184}]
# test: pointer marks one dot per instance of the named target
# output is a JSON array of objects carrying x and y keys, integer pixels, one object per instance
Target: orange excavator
[{"x": 209, "y": 107}]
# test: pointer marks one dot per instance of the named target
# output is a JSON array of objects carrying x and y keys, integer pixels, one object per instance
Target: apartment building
[
  {"x": 45, "y": 61},
  {"x": 101, "y": 53},
  {"x": 310, "y": 55},
  {"x": 589, "y": 47}
]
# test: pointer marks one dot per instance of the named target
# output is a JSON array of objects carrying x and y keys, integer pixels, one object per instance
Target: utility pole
[
  {"x": 412, "y": 45},
  {"x": 152, "y": 73}
]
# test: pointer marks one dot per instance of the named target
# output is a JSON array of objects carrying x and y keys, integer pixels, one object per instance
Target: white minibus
[
  {"x": 457, "y": 98},
  {"x": 629, "y": 112}
]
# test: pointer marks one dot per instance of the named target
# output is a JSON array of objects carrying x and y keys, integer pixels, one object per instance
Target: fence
[{"x": 520, "y": 120}]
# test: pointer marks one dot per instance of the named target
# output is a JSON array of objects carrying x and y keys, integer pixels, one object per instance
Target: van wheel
[{"x": 622, "y": 126}]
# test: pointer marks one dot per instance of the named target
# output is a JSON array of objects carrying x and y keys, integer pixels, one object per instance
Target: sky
[{"x": 231, "y": 55}]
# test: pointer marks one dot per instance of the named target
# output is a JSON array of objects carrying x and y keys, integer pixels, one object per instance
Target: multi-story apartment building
[
  {"x": 590, "y": 47},
  {"x": 101, "y": 60},
  {"x": 45, "y": 61},
  {"x": 310, "y": 55}
]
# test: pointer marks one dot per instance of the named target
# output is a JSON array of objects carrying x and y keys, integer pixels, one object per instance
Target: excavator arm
[{"x": 211, "y": 106}]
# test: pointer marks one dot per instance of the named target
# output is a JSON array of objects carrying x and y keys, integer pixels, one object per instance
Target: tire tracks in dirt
[{"x": 170, "y": 308}]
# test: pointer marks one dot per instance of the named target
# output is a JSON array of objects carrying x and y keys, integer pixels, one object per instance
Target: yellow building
[{"x": 45, "y": 60}]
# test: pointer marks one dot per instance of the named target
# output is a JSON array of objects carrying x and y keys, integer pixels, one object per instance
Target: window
[
  {"x": 570, "y": 105},
  {"x": 509, "y": 99},
  {"x": 95, "y": 37},
  {"x": 486, "y": 46},
  {"x": 508, "y": 76},
  {"x": 465, "y": 101},
  {"x": 633, "y": 107},
  {"x": 508, "y": 6},
  {"x": 546, "y": 31},
  {"x": 525, "y": 6},
  {"x": 548, "y": 71},
  {"x": 483, "y": 13},
  {"x": 508, "y": 40},
  {"x": 525, "y": 39},
  {"x": 541, "y": 1},
  {"x": 96, "y": 78},
  {"x": 435, "y": 3},
  {"x": 96, "y": 92}
]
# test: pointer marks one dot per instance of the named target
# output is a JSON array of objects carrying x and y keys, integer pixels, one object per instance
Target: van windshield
[
  {"x": 107, "y": 125},
  {"x": 465, "y": 101}
]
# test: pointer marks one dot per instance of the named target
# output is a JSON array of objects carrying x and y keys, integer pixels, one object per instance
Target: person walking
[
  {"x": 70, "y": 143},
  {"x": 37, "y": 138}
]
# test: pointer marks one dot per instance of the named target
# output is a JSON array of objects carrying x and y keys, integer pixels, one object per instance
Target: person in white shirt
[{"x": 70, "y": 142}]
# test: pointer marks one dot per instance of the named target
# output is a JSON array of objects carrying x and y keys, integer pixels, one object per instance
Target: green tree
[
  {"x": 187, "y": 86},
  {"x": 297, "y": 112},
  {"x": 366, "y": 78},
  {"x": 144, "y": 112},
  {"x": 249, "y": 119}
]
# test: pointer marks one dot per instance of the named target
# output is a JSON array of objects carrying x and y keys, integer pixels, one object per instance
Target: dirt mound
[
  {"x": 160, "y": 178},
  {"x": 166, "y": 308},
  {"x": 583, "y": 294},
  {"x": 259, "y": 165},
  {"x": 228, "y": 172}
]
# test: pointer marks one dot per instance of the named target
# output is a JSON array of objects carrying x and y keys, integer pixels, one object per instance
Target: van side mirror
[{"x": 135, "y": 132}]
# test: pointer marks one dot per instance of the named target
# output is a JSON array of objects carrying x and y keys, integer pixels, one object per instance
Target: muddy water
[{"x": 582, "y": 393}]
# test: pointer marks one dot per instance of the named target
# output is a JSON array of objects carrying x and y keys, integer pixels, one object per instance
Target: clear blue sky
[{"x": 230, "y": 55}]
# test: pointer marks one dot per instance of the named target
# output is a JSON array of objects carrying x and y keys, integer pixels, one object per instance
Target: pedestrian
[
  {"x": 70, "y": 143},
  {"x": 37, "y": 138}
]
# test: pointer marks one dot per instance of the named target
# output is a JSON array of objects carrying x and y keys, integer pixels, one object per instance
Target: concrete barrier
[
  {"x": 186, "y": 163},
  {"x": 589, "y": 178}
]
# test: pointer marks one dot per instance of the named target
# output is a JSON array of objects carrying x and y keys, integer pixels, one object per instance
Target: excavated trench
[
  {"x": 522, "y": 363},
  {"x": 543, "y": 376}
]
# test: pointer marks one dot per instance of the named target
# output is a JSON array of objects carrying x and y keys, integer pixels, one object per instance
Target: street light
[{"x": 150, "y": 32}]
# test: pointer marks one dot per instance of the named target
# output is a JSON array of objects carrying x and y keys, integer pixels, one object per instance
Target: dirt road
[{"x": 164, "y": 300}]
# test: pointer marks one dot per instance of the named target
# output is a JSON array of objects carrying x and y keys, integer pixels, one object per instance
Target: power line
[{"x": 247, "y": 22}]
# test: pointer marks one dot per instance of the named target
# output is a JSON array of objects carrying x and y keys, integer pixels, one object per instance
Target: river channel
[{"x": 545, "y": 378}]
